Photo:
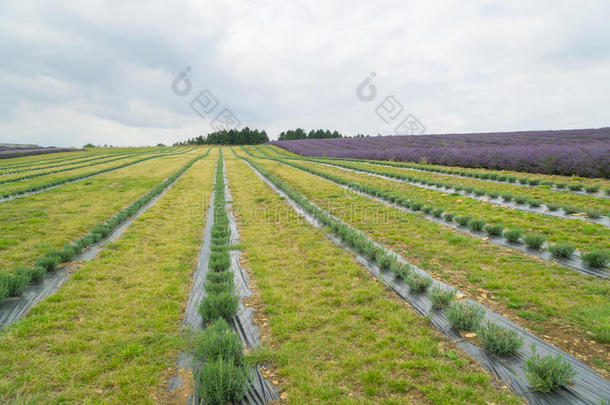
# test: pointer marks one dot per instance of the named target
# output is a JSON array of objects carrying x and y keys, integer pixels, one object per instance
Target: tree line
[
  {"x": 245, "y": 136},
  {"x": 299, "y": 133}
]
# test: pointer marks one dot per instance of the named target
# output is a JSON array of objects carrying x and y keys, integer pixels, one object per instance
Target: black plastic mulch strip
[
  {"x": 587, "y": 387},
  {"x": 12, "y": 309},
  {"x": 574, "y": 262},
  {"x": 543, "y": 209}
]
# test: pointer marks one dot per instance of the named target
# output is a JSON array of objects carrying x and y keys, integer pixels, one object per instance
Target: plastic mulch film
[
  {"x": 587, "y": 387},
  {"x": 12, "y": 309},
  {"x": 573, "y": 262}
]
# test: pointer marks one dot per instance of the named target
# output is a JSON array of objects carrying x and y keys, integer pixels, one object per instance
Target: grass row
[
  {"x": 597, "y": 258},
  {"x": 14, "y": 283},
  {"x": 594, "y": 210},
  {"x": 84, "y": 159},
  {"x": 566, "y": 307},
  {"x": 65, "y": 169},
  {"x": 29, "y": 226},
  {"x": 33, "y": 160},
  {"x": 463, "y": 316},
  {"x": 63, "y": 180},
  {"x": 224, "y": 375},
  {"x": 337, "y": 335},
  {"x": 112, "y": 331}
]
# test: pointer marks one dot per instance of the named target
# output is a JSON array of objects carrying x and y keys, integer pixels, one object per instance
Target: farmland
[{"x": 308, "y": 271}]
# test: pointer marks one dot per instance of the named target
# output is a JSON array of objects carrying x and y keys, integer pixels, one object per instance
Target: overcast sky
[{"x": 101, "y": 72}]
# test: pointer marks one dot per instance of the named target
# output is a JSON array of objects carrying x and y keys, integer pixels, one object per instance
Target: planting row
[
  {"x": 572, "y": 186},
  {"x": 111, "y": 332},
  {"x": 596, "y": 258},
  {"x": 330, "y": 330},
  {"x": 545, "y": 203},
  {"x": 20, "y": 190},
  {"x": 594, "y": 209},
  {"x": 13, "y": 179},
  {"x": 224, "y": 374},
  {"x": 82, "y": 159},
  {"x": 536, "y": 294},
  {"x": 13, "y": 283},
  {"x": 544, "y": 373},
  {"x": 29, "y": 226}
]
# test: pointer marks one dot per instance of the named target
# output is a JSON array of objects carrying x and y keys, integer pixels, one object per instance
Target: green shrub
[
  {"x": 568, "y": 209},
  {"x": 214, "y": 306},
  {"x": 479, "y": 192},
  {"x": 463, "y": 220},
  {"x": 36, "y": 274},
  {"x": 493, "y": 194},
  {"x": 511, "y": 179},
  {"x": 219, "y": 341},
  {"x": 533, "y": 182},
  {"x": 593, "y": 213},
  {"x": 220, "y": 260},
  {"x": 534, "y": 203},
  {"x": 524, "y": 180},
  {"x": 548, "y": 373},
  {"x": 418, "y": 282},
  {"x": 218, "y": 288},
  {"x": 384, "y": 260},
  {"x": 513, "y": 235},
  {"x": 562, "y": 250},
  {"x": 596, "y": 258},
  {"x": 520, "y": 199},
  {"x": 498, "y": 340},
  {"x": 468, "y": 189},
  {"x": 575, "y": 187},
  {"x": 220, "y": 382},
  {"x": 494, "y": 230},
  {"x": 48, "y": 262},
  {"x": 438, "y": 212},
  {"x": 416, "y": 206},
  {"x": 592, "y": 189},
  {"x": 553, "y": 206},
  {"x": 507, "y": 197},
  {"x": 440, "y": 297},
  {"x": 448, "y": 216},
  {"x": 427, "y": 209},
  {"x": 400, "y": 270},
  {"x": 561, "y": 185},
  {"x": 4, "y": 285},
  {"x": 476, "y": 224},
  {"x": 465, "y": 316},
  {"x": 17, "y": 281},
  {"x": 219, "y": 277},
  {"x": 607, "y": 191},
  {"x": 534, "y": 240}
]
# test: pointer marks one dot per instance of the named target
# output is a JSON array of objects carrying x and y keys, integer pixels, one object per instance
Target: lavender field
[{"x": 582, "y": 152}]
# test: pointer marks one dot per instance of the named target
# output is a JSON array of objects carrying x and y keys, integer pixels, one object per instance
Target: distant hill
[{"x": 9, "y": 150}]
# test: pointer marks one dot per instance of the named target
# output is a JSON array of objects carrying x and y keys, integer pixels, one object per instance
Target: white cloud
[{"x": 78, "y": 72}]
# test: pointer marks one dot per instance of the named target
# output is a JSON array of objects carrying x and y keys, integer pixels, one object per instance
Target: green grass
[
  {"x": 31, "y": 225},
  {"x": 109, "y": 333},
  {"x": 363, "y": 344},
  {"x": 576, "y": 302},
  {"x": 583, "y": 235}
]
